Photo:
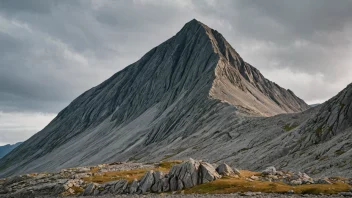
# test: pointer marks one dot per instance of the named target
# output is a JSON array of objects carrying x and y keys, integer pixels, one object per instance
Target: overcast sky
[{"x": 52, "y": 51}]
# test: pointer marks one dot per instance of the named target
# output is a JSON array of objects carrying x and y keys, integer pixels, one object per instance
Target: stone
[
  {"x": 322, "y": 181},
  {"x": 173, "y": 183},
  {"x": 207, "y": 173},
  {"x": 134, "y": 186},
  {"x": 269, "y": 171},
  {"x": 346, "y": 194},
  {"x": 225, "y": 170},
  {"x": 290, "y": 192},
  {"x": 180, "y": 185},
  {"x": 187, "y": 172},
  {"x": 274, "y": 177},
  {"x": 146, "y": 182},
  {"x": 14, "y": 179},
  {"x": 251, "y": 194},
  {"x": 296, "y": 182},
  {"x": 119, "y": 187},
  {"x": 96, "y": 192},
  {"x": 166, "y": 185},
  {"x": 71, "y": 191},
  {"x": 237, "y": 172},
  {"x": 280, "y": 173},
  {"x": 253, "y": 177},
  {"x": 157, "y": 186},
  {"x": 90, "y": 189}
]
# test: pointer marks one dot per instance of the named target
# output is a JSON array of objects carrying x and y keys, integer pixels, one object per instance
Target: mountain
[
  {"x": 314, "y": 105},
  {"x": 7, "y": 148},
  {"x": 191, "y": 91}
]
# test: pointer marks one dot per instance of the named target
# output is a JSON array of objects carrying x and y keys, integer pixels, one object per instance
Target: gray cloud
[{"x": 51, "y": 51}]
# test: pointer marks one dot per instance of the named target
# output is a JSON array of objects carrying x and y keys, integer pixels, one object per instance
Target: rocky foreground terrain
[{"x": 172, "y": 179}]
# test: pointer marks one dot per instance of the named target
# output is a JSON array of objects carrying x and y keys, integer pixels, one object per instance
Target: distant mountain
[
  {"x": 192, "y": 90},
  {"x": 7, "y": 148},
  {"x": 314, "y": 105}
]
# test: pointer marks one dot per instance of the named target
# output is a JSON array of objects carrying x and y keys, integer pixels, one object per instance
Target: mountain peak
[{"x": 177, "y": 89}]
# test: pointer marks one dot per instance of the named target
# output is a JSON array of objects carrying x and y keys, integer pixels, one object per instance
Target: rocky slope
[{"x": 191, "y": 91}]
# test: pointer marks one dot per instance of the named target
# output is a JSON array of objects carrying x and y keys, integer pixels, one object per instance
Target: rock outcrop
[{"x": 181, "y": 176}]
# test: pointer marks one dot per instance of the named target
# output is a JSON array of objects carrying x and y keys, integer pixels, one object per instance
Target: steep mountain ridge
[
  {"x": 190, "y": 86},
  {"x": 242, "y": 85}
]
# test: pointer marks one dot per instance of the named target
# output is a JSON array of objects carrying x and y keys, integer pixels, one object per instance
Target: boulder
[
  {"x": 186, "y": 172},
  {"x": 90, "y": 189},
  {"x": 173, "y": 183},
  {"x": 118, "y": 187},
  {"x": 269, "y": 171},
  {"x": 157, "y": 186},
  {"x": 57, "y": 190},
  {"x": 134, "y": 187},
  {"x": 165, "y": 183},
  {"x": 296, "y": 182},
  {"x": 322, "y": 181},
  {"x": 207, "y": 173},
  {"x": 146, "y": 182},
  {"x": 180, "y": 185},
  {"x": 226, "y": 170}
]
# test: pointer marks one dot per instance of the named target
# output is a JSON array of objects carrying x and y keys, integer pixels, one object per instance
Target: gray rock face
[
  {"x": 158, "y": 183},
  {"x": 90, "y": 189},
  {"x": 134, "y": 186},
  {"x": 146, "y": 182},
  {"x": 119, "y": 187},
  {"x": 207, "y": 173},
  {"x": 173, "y": 183},
  {"x": 186, "y": 172},
  {"x": 165, "y": 184}
]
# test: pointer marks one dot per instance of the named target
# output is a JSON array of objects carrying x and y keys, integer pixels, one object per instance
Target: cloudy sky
[{"x": 52, "y": 51}]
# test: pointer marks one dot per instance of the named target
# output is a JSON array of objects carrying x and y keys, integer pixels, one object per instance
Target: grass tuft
[
  {"x": 234, "y": 185},
  {"x": 289, "y": 127}
]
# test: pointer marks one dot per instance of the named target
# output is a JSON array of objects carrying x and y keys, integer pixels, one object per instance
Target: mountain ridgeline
[
  {"x": 7, "y": 148},
  {"x": 191, "y": 96}
]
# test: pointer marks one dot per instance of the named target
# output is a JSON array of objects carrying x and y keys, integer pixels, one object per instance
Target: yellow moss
[
  {"x": 94, "y": 169},
  {"x": 116, "y": 175},
  {"x": 77, "y": 189},
  {"x": 129, "y": 175},
  {"x": 168, "y": 164},
  {"x": 233, "y": 185}
]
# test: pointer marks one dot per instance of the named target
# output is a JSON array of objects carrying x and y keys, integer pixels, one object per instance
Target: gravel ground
[{"x": 257, "y": 195}]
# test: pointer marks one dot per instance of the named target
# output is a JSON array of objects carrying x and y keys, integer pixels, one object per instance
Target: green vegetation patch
[{"x": 289, "y": 127}]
